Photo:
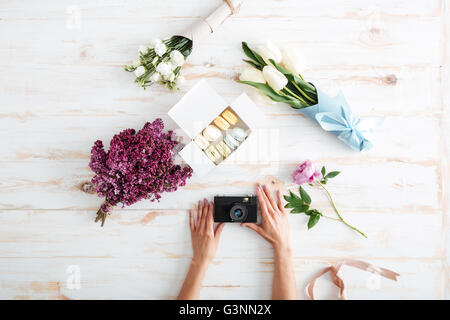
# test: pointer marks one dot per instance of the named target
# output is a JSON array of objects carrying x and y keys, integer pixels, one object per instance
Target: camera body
[{"x": 235, "y": 208}]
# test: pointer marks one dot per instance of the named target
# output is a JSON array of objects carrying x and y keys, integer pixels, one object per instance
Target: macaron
[
  {"x": 221, "y": 123},
  {"x": 211, "y": 133},
  {"x": 201, "y": 141},
  {"x": 223, "y": 149},
  {"x": 230, "y": 117},
  {"x": 213, "y": 154},
  {"x": 239, "y": 134},
  {"x": 231, "y": 142}
]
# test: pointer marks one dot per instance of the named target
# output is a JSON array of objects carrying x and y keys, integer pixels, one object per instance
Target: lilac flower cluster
[{"x": 137, "y": 166}]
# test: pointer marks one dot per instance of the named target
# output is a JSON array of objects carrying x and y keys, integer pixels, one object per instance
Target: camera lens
[{"x": 238, "y": 213}]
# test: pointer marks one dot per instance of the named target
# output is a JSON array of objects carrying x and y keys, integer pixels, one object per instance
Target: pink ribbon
[{"x": 337, "y": 280}]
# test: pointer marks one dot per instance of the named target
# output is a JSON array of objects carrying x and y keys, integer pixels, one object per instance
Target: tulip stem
[
  {"x": 337, "y": 211},
  {"x": 296, "y": 96},
  {"x": 303, "y": 93}
]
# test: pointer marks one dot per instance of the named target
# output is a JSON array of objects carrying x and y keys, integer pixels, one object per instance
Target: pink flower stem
[{"x": 337, "y": 211}]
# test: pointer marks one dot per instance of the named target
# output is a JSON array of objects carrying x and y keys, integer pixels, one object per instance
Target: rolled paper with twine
[
  {"x": 339, "y": 282},
  {"x": 207, "y": 25}
]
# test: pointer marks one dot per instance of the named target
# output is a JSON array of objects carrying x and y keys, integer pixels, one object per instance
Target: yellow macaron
[
  {"x": 213, "y": 154},
  {"x": 230, "y": 117},
  {"x": 223, "y": 149},
  {"x": 221, "y": 123}
]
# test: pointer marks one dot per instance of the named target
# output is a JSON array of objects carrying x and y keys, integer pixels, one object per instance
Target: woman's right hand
[{"x": 274, "y": 225}]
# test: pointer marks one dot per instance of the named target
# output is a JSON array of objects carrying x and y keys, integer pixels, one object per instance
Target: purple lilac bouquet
[{"x": 137, "y": 166}]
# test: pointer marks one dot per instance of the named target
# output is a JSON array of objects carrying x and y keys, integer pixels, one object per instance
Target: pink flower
[{"x": 306, "y": 173}]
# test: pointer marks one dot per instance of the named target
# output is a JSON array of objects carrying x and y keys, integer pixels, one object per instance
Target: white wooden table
[{"x": 62, "y": 86}]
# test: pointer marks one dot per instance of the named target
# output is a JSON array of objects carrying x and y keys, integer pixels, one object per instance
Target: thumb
[
  {"x": 254, "y": 227},
  {"x": 218, "y": 230}
]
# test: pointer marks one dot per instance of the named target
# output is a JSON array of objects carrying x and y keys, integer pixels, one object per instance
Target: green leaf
[
  {"x": 253, "y": 64},
  {"x": 332, "y": 174},
  {"x": 253, "y": 55},
  {"x": 313, "y": 219},
  {"x": 300, "y": 209},
  {"x": 312, "y": 212},
  {"x": 305, "y": 89},
  {"x": 304, "y": 195},
  {"x": 295, "y": 200},
  {"x": 275, "y": 96},
  {"x": 323, "y": 171}
]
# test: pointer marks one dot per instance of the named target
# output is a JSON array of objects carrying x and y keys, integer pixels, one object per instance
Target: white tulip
[
  {"x": 139, "y": 71},
  {"x": 153, "y": 43},
  {"x": 293, "y": 62},
  {"x": 160, "y": 49},
  {"x": 274, "y": 78},
  {"x": 164, "y": 69},
  {"x": 155, "y": 77},
  {"x": 252, "y": 74},
  {"x": 171, "y": 77},
  {"x": 269, "y": 51},
  {"x": 177, "y": 58}
]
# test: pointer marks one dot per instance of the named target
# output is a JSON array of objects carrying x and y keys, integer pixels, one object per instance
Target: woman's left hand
[{"x": 205, "y": 239}]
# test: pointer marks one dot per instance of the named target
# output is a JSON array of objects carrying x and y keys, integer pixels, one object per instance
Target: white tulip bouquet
[
  {"x": 276, "y": 74},
  {"x": 161, "y": 61}
]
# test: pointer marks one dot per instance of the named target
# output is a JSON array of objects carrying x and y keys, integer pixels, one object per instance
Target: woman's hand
[
  {"x": 274, "y": 225},
  {"x": 204, "y": 244},
  {"x": 275, "y": 229},
  {"x": 204, "y": 238}
]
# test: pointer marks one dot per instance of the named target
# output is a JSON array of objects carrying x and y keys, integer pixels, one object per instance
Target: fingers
[
  {"x": 209, "y": 218},
  {"x": 204, "y": 215},
  {"x": 269, "y": 197},
  {"x": 280, "y": 201},
  {"x": 255, "y": 227},
  {"x": 191, "y": 220},
  {"x": 199, "y": 212},
  {"x": 261, "y": 201},
  {"x": 218, "y": 230}
]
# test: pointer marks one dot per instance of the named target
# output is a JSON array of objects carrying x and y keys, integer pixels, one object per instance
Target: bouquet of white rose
[
  {"x": 160, "y": 61},
  {"x": 276, "y": 74}
]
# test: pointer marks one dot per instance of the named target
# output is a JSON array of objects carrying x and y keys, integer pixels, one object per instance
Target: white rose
[
  {"x": 269, "y": 51},
  {"x": 155, "y": 77},
  {"x": 293, "y": 62},
  {"x": 160, "y": 49},
  {"x": 180, "y": 79},
  {"x": 164, "y": 69},
  {"x": 177, "y": 58},
  {"x": 153, "y": 43},
  {"x": 143, "y": 49},
  {"x": 252, "y": 74},
  {"x": 139, "y": 71},
  {"x": 171, "y": 64},
  {"x": 274, "y": 78}
]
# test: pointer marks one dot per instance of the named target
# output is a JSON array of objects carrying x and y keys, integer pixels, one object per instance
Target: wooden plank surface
[{"x": 62, "y": 87}]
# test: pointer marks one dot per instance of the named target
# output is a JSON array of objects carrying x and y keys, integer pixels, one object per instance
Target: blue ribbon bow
[{"x": 335, "y": 115}]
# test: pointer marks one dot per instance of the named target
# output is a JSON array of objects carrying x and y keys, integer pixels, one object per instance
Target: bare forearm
[
  {"x": 193, "y": 282},
  {"x": 284, "y": 287}
]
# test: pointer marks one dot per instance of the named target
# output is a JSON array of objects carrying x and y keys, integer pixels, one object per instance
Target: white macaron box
[{"x": 219, "y": 131}]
